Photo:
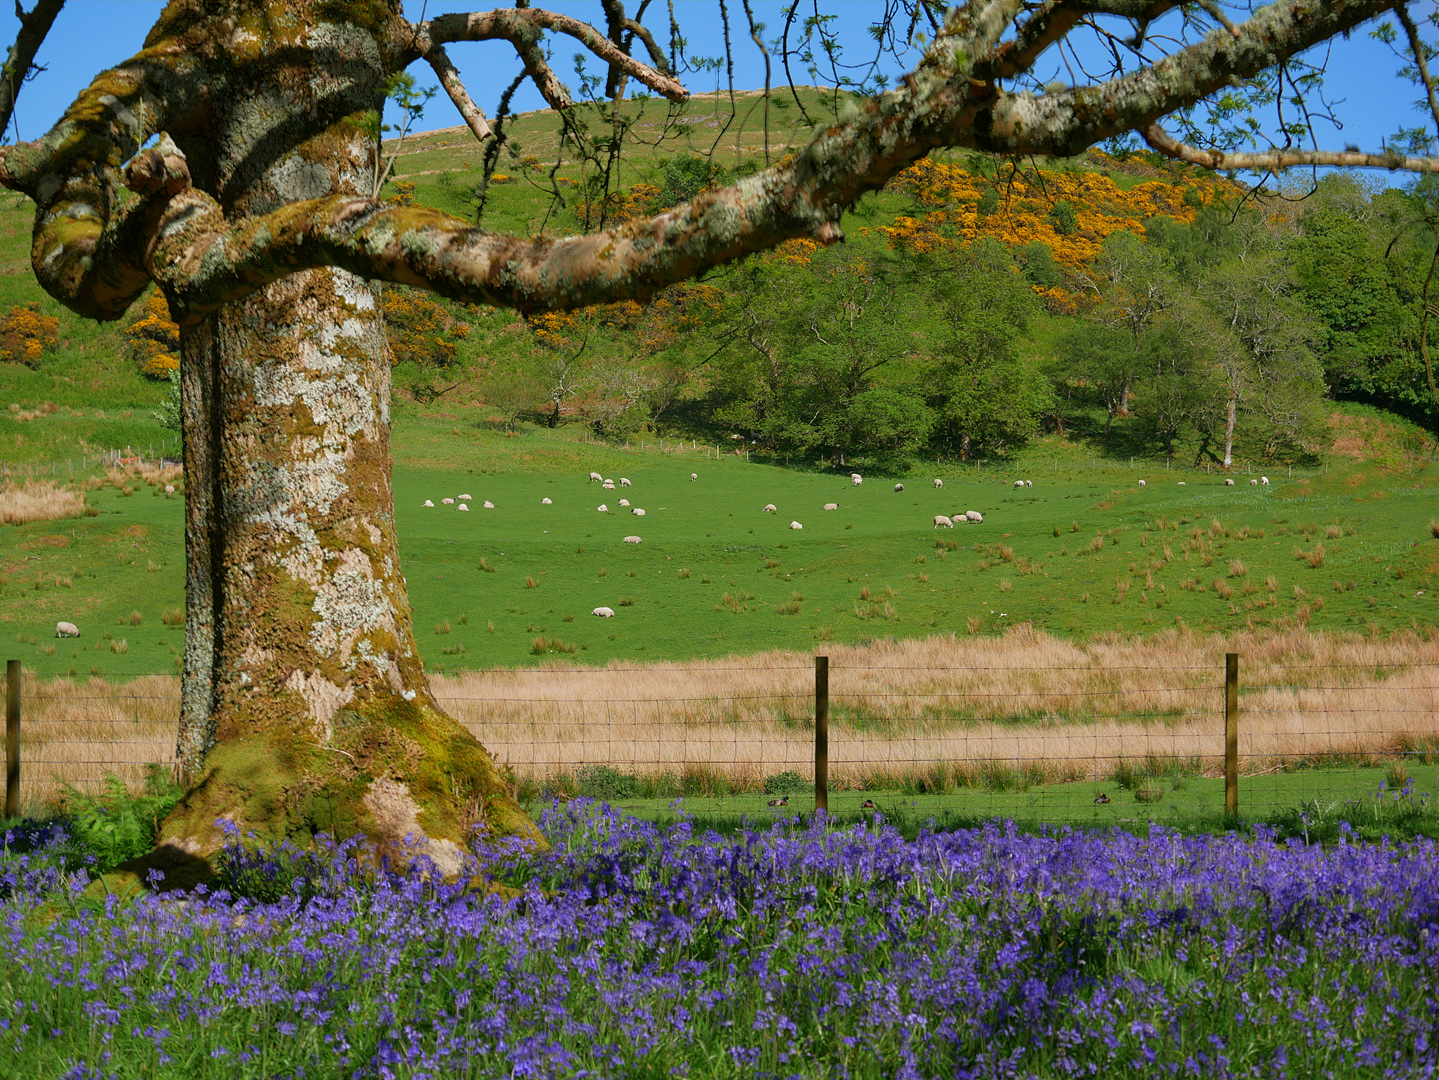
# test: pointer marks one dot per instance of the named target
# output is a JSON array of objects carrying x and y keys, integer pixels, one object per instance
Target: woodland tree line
[{"x": 1194, "y": 317}]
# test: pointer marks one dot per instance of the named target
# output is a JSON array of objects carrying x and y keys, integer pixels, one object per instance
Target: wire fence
[
  {"x": 162, "y": 451},
  {"x": 1058, "y": 742}
]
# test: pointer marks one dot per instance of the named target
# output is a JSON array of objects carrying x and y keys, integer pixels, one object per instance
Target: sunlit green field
[{"x": 1083, "y": 551}]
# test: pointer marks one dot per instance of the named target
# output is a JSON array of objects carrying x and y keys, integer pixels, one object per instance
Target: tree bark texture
[{"x": 305, "y": 706}]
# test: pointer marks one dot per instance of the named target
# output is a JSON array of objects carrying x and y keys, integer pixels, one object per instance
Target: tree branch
[
  {"x": 33, "y": 28},
  {"x": 522, "y": 27},
  {"x": 1421, "y": 63},
  {"x": 1275, "y": 160},
  {"x": 439, "y": 61}
]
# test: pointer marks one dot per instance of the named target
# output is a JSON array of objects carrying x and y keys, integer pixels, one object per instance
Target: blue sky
[{"x": 91, "y": 35}]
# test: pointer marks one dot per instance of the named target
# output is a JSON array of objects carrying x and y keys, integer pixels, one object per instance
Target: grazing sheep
[
  {"x": 546, "y": 502},
  {"x": 1029, "y": 483},
  {"x": 169, "y": 489},
  {"x": 429, "y": 502},
  {"x": 1019, "y": 483},
  {"x": 1254, "y": 483},
  {"x": 769, "y": 509},
  {"x": 1228, "y": 481},
  {"x": 596, "y": 478},
  {"x": 898, "y": 487},
  {"x": 1182, "y": 483},
  {"x": 856, "y": 479},
  {"x": 462, "y": 506},
  {"x": 604, "y": 508},
  {"x": 795, "y": 525},
  {"x": 66, "y": 629},
  {"x": 974, "y": 516},
  {"x": 448, "y": 502},
  {"x": 1264, "y": 480},
  {"x": 831, "y": 506},
  {"x": 638, "y": 512},
  {"x": 959, "y": 518},
  {"x": 941, "y": 519},
  {"x": 489, "y": 505},
  {"x": 464, "y": 498},
  {"x": 694, "y": 476},
  {"x": 624, "y": 502},
  {"x": 1141, "y": 483},
  {"x": 938, "y": 482},
  {"x": 625, "y": 482},
  {"x": 633, "y": 540},
  {"x": 608, "y": 485},
  {"x": 604, "y": 612}
]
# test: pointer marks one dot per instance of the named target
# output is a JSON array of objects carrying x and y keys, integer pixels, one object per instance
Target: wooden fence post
[
  {"x": 821, "y": 733},
  {"x": 1231, "y": 737},
  {"x": 12, "y": 739}
]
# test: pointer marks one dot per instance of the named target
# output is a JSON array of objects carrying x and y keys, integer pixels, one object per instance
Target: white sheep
[
  {"x": 694, "y": 476},
  {"x": 1264, "y": 480},
  {"x": 429, "y": 502},
  {"x": 604, "y": 508},
  {"x": 1182, "y": 483},
  {"x": 633, "y": 540},
  {"x": 638, "y": 512},
  {"x": 941, "y": 519},
  {"x": 1019, "y": 483},
  {"x": 974, "y": 516},
  {"x": 898, "y": 487},
  {"x": 856, "y": 479},
  {"x": 489, "y": 505},
  {"x": 1229, "y": 481},
  {"x": 596, "y": 478},
  {"x": 604, "y": 612},
  {"x": 624, "y": 502},
  {"x": 1141, "y": 483},
  {"x": 448, "y": 502},
  {"x": 795, "y": 525},
  {"x": 1254, "y": 483},
  {"x": 608, "y": 485},
  {"x": 169, "y": 489},
  {"x": 831, "y": 506},
  {"x": 769, "y": 509},
  {"x": 464, "y": 498},
  {"x": 938, "y": 482},
  {"x": 625, "y": 482},
  {"x": 547, "y": 502},
  {"x": 462, "y": 506},
  {"x": 66, "y": 629},
  {"x": 1029, "y": 483}
]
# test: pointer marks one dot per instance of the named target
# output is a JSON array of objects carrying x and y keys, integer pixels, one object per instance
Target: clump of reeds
[{"x": 39, "y": 500}]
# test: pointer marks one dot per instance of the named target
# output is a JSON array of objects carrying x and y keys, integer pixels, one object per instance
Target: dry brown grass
[
  {"x": 1037, "y": 703},
  {"x": 39, "y": 500},
  {"x": 142, "y": 472}
]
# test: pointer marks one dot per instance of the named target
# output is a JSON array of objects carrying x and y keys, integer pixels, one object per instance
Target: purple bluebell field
[{"x": 802, "y": 950}]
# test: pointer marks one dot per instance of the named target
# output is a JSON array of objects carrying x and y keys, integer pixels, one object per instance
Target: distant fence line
[
  {"x": 106, "y": 459},
  {"x": 732, "y": 728}
]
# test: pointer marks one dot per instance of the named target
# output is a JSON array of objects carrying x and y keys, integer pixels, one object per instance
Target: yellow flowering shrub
[
  {"x": 26, "y": 335},
  {"x": 153, "y": 339},
  {"x": 420, "y": 329}
]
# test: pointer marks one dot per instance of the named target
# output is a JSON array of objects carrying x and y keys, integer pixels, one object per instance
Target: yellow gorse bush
[
  {"x": 26, "y": 335},
  {"x": 153, "y": 339},
  {"x": 419, "y": 329}
]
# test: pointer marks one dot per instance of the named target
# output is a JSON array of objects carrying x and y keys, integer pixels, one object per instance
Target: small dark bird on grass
[
  {"x": 868, "y": 804},
  {"x": 1101, "y": 799},
  {"x": 781, "y": 801}
]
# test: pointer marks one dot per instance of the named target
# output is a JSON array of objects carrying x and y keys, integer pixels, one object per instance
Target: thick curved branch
[
  {"x": 34, "y": 25},
  {"x": 522, "y": 27},
  {"x": 1274, "y": 160},
  {"x": 1421, "y": 63},
  {"x": 440, "y": 63}
]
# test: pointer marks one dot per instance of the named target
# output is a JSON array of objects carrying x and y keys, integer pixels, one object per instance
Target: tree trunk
[
  {"x": 304, "y": 704},
  {"x": 1231, "y": 409}
]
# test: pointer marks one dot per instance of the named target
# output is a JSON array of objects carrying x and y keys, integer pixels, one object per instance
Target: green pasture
[
  {"x": 1188, "y": 803},
  {"x": 1082, "y": 552}
]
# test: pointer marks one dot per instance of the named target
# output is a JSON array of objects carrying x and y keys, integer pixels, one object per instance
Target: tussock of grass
[{"x": 39, "y": 500}]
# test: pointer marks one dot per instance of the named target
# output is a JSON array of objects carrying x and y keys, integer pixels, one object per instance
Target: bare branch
[
  {"x": 522, "y": 27},
  {"x": 439, "y": 61},
  {"x": 1274, "y": 160},
  {"x": 21, "y": 59}
]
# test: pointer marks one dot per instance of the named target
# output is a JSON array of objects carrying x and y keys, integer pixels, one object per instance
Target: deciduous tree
[{"x": 304, "y": 700}]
